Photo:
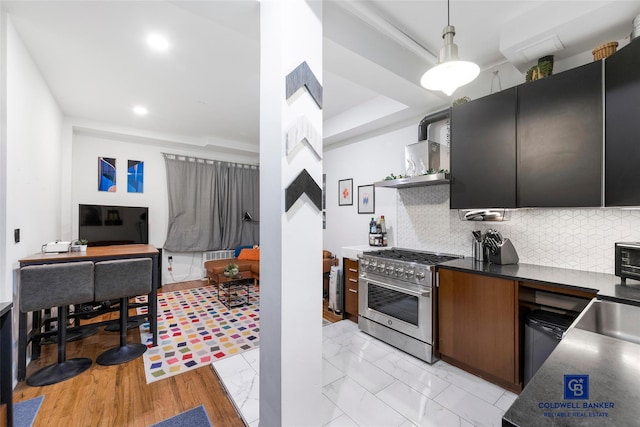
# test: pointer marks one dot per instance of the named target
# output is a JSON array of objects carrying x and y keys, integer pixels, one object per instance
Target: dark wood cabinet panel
[
  {"x": 350, "y": 288},
  {"x": 559, "y": 139},
  {"x": 622, "y": 134},
  {"x": 478, "y": 321},
  {"x": 483, "y": 152}
]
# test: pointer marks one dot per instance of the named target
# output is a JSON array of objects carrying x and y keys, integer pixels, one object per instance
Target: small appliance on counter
[
  {"x": 499, "y": 250},
  {"x": 627, "y": 259},
  {"x": 55, "y": 247}
]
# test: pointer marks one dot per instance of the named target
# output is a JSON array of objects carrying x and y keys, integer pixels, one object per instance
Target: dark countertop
[
  {"x": 607, "y": 286},
  {"x": 612, "y": 366},
  {"x": 5, "y": 307}
]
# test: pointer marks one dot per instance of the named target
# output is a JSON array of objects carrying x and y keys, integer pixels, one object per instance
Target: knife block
[{"x": 506, "y": 254}]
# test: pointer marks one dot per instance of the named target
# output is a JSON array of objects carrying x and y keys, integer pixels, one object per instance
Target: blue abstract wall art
[
  {"x": 135, "y": 176},
  {"x": 107, "y": 174}
]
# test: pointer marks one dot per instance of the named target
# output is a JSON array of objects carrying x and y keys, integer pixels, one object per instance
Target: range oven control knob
[
  {"x": 399, "y": 271},
  {"x": 381, "y": 267},
  {"x": 365, "y": 263},
  {"x": 408, "y": 274},
  {"x": 372, "y": 265},
  {"x": 390, "y": 269},
  {"x": 420, "y": 275}
]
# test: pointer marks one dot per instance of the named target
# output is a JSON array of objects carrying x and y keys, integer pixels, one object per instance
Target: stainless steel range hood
[
  {"x": 427, "y": 162},
  {"x": 416, "y": 181}
]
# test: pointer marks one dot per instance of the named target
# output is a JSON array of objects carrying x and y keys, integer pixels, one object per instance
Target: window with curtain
[{"x": 207, "y": 204}]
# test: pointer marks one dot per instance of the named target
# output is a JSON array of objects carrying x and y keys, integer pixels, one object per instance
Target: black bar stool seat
[
  {"x": 57, "y": 285},
  {"x": 122, "y": 279}
]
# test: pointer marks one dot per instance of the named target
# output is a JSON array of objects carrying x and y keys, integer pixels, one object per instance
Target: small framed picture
[
  {"x": 107, "y": 174},
  {"x": 366, "y": 199},
  {"x": 345, "y": 192}
]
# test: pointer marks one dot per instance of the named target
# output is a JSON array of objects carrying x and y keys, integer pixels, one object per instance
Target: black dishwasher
[{"x": 543, "y": 331}]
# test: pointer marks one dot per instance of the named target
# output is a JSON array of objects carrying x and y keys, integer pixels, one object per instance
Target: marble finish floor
[{"x": 369, "y": 383}]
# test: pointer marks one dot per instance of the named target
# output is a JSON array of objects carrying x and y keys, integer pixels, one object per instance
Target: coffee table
[{"x": 232, "y": 291}]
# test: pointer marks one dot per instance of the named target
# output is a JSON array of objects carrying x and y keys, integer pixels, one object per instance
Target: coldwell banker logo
[{"x": 576, "y": 387}]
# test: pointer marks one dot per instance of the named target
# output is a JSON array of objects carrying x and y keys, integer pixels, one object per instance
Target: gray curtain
[
  {"x": 240, "y": 194},
  {"x": 207, "y": 201}
]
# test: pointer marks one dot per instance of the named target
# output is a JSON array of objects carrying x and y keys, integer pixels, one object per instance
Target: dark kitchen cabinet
[
  {"x": 478, "y": 325},
  {"x": 350, "y": 288},
  {"x": 622, "y": 134},
  {"x": 559, "y": 139},
  {"x": 483, "y": 152}
]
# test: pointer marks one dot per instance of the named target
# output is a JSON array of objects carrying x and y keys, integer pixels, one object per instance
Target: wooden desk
[
  {"x": 95, "y": 254},
  {"x": 6, "y": 361}
]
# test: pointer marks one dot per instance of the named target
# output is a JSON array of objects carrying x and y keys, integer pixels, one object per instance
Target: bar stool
[
  {"x": 122, "y": 279},
  {"x": 57, "y": 285}
]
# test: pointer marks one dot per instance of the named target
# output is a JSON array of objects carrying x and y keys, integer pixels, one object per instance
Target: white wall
[
  {"x": 87, "y": 149},
  {"x": 88, "y": 146},
  {"x": 365, "y": 162},
  {"x": 5, "y": 288},
  {"x": 31, "y": 181},
  {"x": 34, "y": 123}
]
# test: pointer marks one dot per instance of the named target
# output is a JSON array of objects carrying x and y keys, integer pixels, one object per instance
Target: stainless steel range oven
[{"x": 396, "y": 298}]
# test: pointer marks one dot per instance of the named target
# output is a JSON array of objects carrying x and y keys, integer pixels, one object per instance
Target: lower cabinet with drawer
[{"x": 350, "y": 288}]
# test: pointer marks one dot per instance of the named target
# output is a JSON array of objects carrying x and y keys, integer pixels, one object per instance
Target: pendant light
[{"x": 449, "y": 73}]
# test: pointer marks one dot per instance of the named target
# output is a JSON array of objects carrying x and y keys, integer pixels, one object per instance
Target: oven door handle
[{"x": 425, "y": 293}]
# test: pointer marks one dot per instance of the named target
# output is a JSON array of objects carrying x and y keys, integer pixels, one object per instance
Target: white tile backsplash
[{"x": 581, "y": 239}]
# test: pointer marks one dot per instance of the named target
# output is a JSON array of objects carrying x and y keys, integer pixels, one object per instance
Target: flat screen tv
[{"x": 113, "y": 225}]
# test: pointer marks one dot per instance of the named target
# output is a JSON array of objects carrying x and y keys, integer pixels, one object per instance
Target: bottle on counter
[
  {"x": 383, "y": 226},
  {"x": 372, "y": 225}
]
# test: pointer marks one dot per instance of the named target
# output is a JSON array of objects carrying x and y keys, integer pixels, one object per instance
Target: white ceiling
[{"x": 205, "y": 90}]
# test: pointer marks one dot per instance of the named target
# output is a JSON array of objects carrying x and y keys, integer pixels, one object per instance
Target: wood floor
[{"x": 119, "y": 395}]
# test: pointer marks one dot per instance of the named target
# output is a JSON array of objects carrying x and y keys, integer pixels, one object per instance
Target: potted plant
[
  {"x": 543, "y": 69},
  {"x": 79, "y": 245},
  {"x": 231, "y": 270}
]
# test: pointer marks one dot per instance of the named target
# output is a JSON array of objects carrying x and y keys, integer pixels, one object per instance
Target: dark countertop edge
[
  {"x": 5, "y": 307},
  {"x": 602, "y": 285},
  {"x": 518, "y": 278}
]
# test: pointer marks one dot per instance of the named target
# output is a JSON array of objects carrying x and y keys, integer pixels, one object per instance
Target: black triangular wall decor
[
  {"x": 302, "y": 76},
  {"x": 303, "y": 183}
]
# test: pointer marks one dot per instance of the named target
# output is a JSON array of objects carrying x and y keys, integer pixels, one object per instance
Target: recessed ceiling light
[
  {"x": 140, "y": 110},
  {"x": 158, "y": 42}
]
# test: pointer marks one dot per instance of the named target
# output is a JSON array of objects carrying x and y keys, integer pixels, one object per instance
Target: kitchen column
[{"x": 290, "y": 212}]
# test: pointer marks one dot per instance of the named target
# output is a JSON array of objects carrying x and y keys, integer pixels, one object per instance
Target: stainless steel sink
[{"x": 616, "y": 320}]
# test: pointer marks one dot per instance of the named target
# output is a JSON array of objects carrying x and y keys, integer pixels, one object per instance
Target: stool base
[
  {"x": 123, "y": 354},
  {"x": 71, "y": 336},
  {"x": 131, "y": 324},
  {"x": 59, "y": 372}
]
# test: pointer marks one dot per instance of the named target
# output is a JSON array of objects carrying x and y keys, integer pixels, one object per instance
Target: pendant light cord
[{"x": 448, "y": 13}]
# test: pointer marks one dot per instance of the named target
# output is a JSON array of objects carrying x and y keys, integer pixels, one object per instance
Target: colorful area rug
[{"x": 194, "y": 329}]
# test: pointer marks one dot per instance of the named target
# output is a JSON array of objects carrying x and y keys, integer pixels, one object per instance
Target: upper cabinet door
[
  {"x": 483, "y": 152},
  {"x": 622, "y": 98},
  {"x": 560, "y": 139}
]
